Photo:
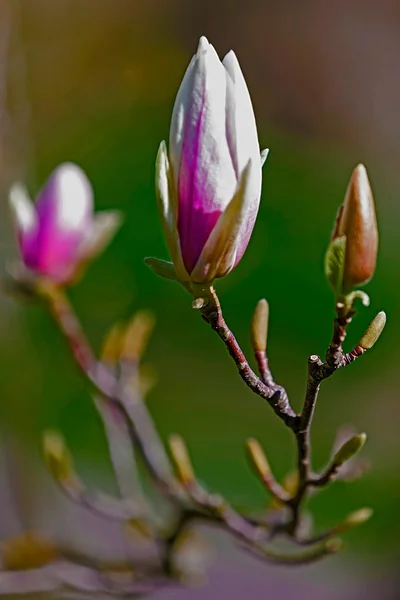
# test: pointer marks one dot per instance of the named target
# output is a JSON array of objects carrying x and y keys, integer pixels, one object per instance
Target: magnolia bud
[
  {"x": 59, "y": 234},
  {"x": 57, "y": 456},
  {"x": 258, "y": 457},
  {"x": 349, "y": 449},
  {"x": 259, "y": 326},
  {"x": 374, "y": 331},
  {"x": 137, "y": 334},
  {"x": 208, "y": 182},
  {"x": 181, "y": 458},
  {"x": 357, "y": 222},
  {"x": 354, "y": 519}
]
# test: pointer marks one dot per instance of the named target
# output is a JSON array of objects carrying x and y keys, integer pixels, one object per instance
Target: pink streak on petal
[{"x": 194, "y": 222}]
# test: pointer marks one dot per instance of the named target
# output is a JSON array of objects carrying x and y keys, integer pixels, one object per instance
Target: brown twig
[
  {"x": 276, "y": 396},
  {"x": 102, "y": 504},
  {"x": 121, "y": 397},
  {"x": 208, "y": 303},
  {"x": 119, "y": 392}
]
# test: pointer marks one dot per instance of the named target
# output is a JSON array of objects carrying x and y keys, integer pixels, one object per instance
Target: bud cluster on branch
[{"x": 208, "y": 187}]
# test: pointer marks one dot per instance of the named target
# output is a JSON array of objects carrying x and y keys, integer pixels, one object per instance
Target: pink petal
[{"x": 64, "y": 209}]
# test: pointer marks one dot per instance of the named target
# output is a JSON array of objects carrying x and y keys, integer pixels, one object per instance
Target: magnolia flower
[
  {"x": 60, "y": 233},
  {"x": 209, "y": 183},
  {"x": 356, "y": 222}
]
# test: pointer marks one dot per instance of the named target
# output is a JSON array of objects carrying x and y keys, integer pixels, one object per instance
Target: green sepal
[
  {"x": 166, "y": 269},
  {"x": 163, "y": 268},
  {"x": 334, "y": 263}
]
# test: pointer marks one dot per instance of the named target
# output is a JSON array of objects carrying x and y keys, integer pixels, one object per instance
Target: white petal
[
  {"x": 182, "y": 102},
  {"x": 22, "y": 210},
  {"x": 166, "y": 207},
  {"x": 244, "y": 129},
  {"x": 180, "y": 109},
  {"x": 198, "y": 128},
  {"x": 102, "y": 230},
  {"x": 74, "y": 197},
  {"x": 230, "y": 116},
  {"x": 264, "y": 156},
  {"x": 203, "y": 44},
  {"x": 164, "y": 191},
  {"x": 181, "y": 106}
]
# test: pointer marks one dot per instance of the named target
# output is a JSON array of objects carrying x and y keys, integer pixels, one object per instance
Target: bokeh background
[{"x": 94, "y": 82}]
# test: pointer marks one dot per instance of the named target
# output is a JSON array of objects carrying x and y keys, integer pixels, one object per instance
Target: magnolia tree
[{"x": 208, "y": 186}]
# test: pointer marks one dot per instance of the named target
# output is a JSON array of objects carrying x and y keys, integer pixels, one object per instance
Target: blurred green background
[{"x": 94, "y": 82}]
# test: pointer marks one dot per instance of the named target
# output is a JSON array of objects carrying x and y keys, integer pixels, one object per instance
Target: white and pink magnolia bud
[
  {"x": 209, "y": 183},
  {"x": 60, "y": 233}
]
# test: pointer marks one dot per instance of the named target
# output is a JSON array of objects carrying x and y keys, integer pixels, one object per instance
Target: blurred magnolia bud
[
  {"x": 355, "y": 467},
  {"x": 112, "y": 343},
  {"x": 259, "y": 326},
  {"x": 374, "y": 331},
  {"x": 137, "y": 334},
  {"x": 57, "y": 456},
  {"x": 349, "y": 449},
  {"x": 209, "y": 181},
  {"x": 356, "y": 223},
  {"x": 59, "y": 233},
  {"x": 191, "y": 557},
  {"x": 181, "y": 458},
  {"x": 354, "y": 519},
  {"x": 258, "y": 457}
]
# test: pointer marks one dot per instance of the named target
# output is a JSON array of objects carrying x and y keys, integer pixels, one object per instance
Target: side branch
[{"x": 275, "y": 395}]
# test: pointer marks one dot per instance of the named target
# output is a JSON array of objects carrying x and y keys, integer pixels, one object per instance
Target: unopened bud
[
  {"x": 57, "y": 456},
  {"x": 259, "y": 326},
  {"x": 374, "y": 331},
  {"x": 349, "y": 449},
  {"x": 112, "y": 345},
  {"x": 357, "y": 221},
  {"x": 137, "y": 335},
  {"x": 259, "y": 459},
  {"x": 354, "y": 519},
  {"x": 182, "y": 460}
]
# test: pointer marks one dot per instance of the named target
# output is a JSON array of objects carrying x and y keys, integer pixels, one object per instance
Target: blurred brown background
[{"x": 94, "y": 82}]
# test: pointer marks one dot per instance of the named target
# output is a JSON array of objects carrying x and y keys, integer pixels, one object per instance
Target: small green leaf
[
  {"x": 334, "y": 263},
  {"x": 162, "y": 267}
]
